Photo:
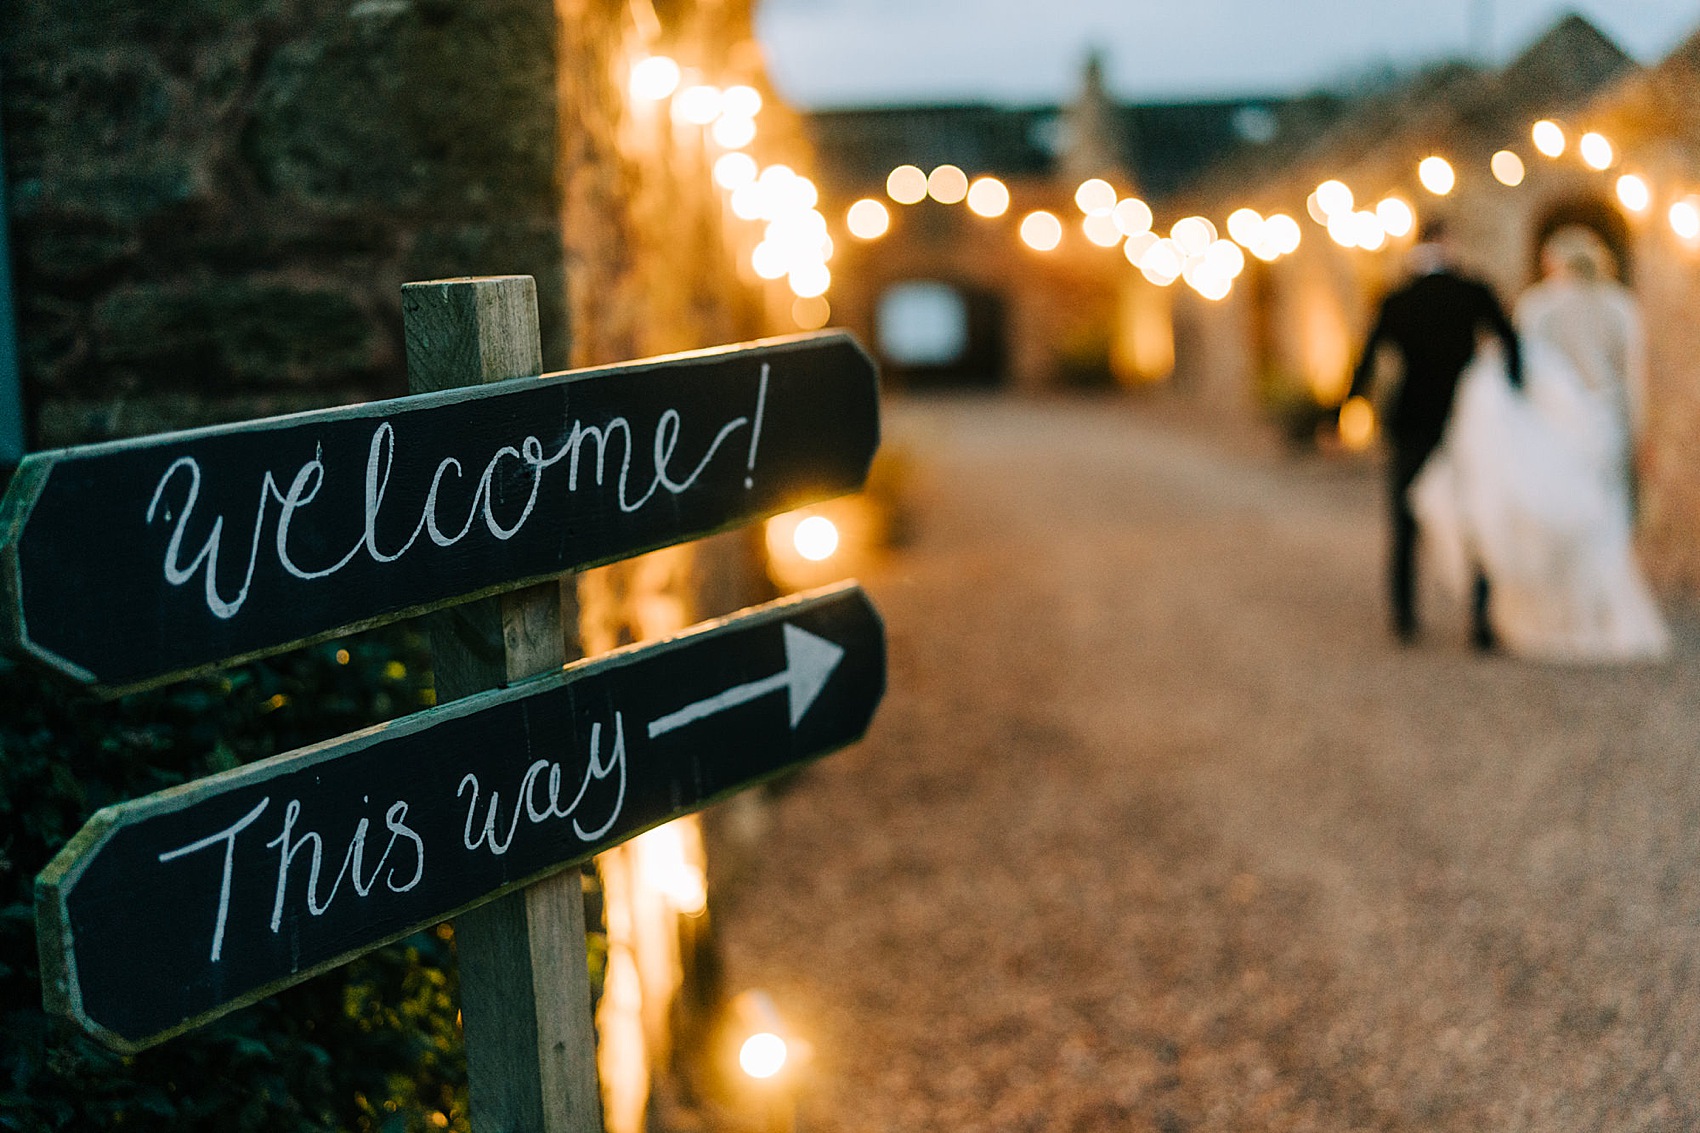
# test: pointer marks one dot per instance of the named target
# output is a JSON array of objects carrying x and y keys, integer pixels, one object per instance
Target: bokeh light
[
  {"x": 762, "y": 1055},
  {"x": 1163, "y": 263},
  {"x": 1357, "y": 424},
  {"x": 988, "y": 197},
  {"x": 811, "y": 313},
  {"x": 1685, "y": 217},
  {"x": 1100, "y": 228},
  {"x": 1281, "y": 232},
  {"x": 1436, "y": 175},
  {"x": 1334, "y": 197},
  {"x": 1368, "y": 231},
  {"x": 731, "y": 132},
  {"x": 1137, "y": 245},
  {"x": 1193, "y": 234},
  {"x": 868, "y": 219},
  {"x": 1245, "y": 225},
  {"x": 1507, "y": 168},
  {"x": 1132, "y": 216},
  {"x": 734, "y": 169},
  {"x": 906, "y": 185},
  {"x": 1041, "y": 230},
  {"x": 809, "y": 279},
  {"x": 699, "y": 105},
  {"x": 1396, "y": 217},
  {"x": 947, "y": 185},
  {"x": 1634, "y": 193},
  {"x": 1596, "y": 151},
  {"x": 654, "y": 78},
  {"x": 815, "y": 538},
  {"x": 1548, "y": 137},
  {"x": 740, "y": 102},
  {"x": 1095, "y": 195}
]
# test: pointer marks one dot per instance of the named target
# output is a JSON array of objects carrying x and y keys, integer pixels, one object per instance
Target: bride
[{"x": 1536, "y": 485}]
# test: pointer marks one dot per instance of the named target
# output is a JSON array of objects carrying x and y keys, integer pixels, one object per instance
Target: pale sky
[{"x": 865, "y": 52}]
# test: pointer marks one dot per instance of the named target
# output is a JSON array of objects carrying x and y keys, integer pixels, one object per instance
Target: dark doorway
[
  {"x": 934, "y": 335},
  {"x": 1589, "y": 211}
]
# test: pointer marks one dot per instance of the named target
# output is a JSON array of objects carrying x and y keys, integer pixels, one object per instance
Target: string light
[
  {"x": 1333, "y": 197},
  {"x": 1634, "y": 193},
  {"x": 988, "y": 197},
  {"x": 906, "y": 185},
  {"x": 1132, "y": 216},
  {"x": 947, "y": 185},
  {"x": 698, "y": 105},
  {"x": 1041, "y": 230},
  {"x": 867, "y": 219},
  {"x": 1685, "y": 217},
  {"x": 1507, "y": 168},
  {"x": 1436, "y": 175},
  {"x": 1095, "y": 196},
  {"x": 1193, "y": 234},
  {"x": 1245, "y": 225},
  {"x": 740, "y": 102},
  {"x": 731, "y": 132},
  {"x": 1395, "y": 216},
  {"x": 734, "y": 169},
  {"x": 654, "y": 78},
  {"x": 1596, "y": 151},
  {"x": 1100, "y": 229},
  {"x": 1548, "y": 137}
]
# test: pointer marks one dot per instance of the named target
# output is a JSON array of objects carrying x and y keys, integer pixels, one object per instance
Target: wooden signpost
[
  {"x": 135, "y": 562},
  {"x": 130, "y": 564},
  {"x": 251, "y": 880}
]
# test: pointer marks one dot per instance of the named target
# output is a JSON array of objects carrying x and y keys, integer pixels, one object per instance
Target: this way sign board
[
  {"x": 169, "y": 910},
  {"x": 130, "y": 563}
]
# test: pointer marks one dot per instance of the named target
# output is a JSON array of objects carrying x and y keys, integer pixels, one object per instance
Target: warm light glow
[
  {"x": 762, "y": 1055},
  {"x": 1507, "y": 168},
  {"x": 1313, "y": 207},
  {"x": 815, "y": 538},
  {"x": 1245, "y": 225},
  {"x": 1041, "y": 231},
  {"x": 1343, "y": 229},
  {"x": 1095, "y": 196},
  {"x": 1436, "y": 175},
  {"x": 811, "y": 314},
  {"x": 667, "y": 868},
  {"x": 1282, "y": 233},
  {"x": 769, "y": 260},
  {"x": 1132, "y": 216},
  {"x": 1548, "y": 137},
  {"x": 698, "y": 105},
  {"x": 734, "y": 169},
  {"x": 654, "y": 78},
  {"x": 1685, "y": 217},
  {"x": 867, "y": 219},
  {"x": 1368, "y": 232},
  {"x": 1225, "y": 259},
  {"x": 1212, "y": 285},
  {"x": 947, "y": 185},
  {"x": 1395, "y": 216},
  {"x": 1163, "y": 263},
  {"x": 750, "y": 201},
  {"x": 1333, "y": 197},
  {"x": 1193, "y": 234},
  {"x": 1634, "y": 193},
  {"x": 1137, "y": 245},
  {"x": 906, "y": 185},
  {"x": 741, "y": 102},
  {"x": 1357, "y": 424},
  {"x": 1596, "y": 151},
  {"x": 1100, "y": 228},
  {"x": 988, "y": 197},
  {"x": 731, "y": 132},
  {"x": 809, "y": 280}
]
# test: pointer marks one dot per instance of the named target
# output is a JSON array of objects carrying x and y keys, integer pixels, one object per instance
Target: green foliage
[{"x": 373, "y": 1046}]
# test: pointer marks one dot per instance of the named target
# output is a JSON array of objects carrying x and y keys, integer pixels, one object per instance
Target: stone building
[{"x": 210, "y": 209}]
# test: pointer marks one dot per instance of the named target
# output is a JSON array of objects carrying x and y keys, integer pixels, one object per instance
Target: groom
[{"x": 1432, "y": 322}]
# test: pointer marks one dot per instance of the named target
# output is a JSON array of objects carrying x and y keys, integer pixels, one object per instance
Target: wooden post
[{"x": 524, "y": 978}]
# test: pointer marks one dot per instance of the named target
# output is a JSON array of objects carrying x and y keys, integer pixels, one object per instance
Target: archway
[
  {"x": 933, "y": 334},
  {"x": 1588, "y": 211}
]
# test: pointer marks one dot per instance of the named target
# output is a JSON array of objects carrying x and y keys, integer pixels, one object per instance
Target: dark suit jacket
[{"x": 1433, "y": 321}]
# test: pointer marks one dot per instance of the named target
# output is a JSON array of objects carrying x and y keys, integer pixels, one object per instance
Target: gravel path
[{"x": 1158, "y": 831}]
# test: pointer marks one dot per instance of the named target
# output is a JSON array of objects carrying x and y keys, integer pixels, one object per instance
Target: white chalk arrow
[{"x": 809, "y": 661}]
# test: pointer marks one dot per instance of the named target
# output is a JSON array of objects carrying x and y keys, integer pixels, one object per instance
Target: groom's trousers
[{"x": 1408, "y": 458}]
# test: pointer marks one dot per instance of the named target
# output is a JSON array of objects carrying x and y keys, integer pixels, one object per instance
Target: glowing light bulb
[
  {"x": 1634, "y": 193},
  {"x": 809, "y": 280},
  {"x": 734, "y": 169},
  {"x": 1132, "y": 216},
  {"x": 1095, "y": 195},
  {"x": 1283, "y": 233},
  {"x": 816, "y": 538},
  {"x": 1436, "y": 175},
  {"x": 906, "y": 185},
  {"x": 1596, "y": 151},
  {"x": 1041, "y": 231},
  {"x": 1137, "y": 245},
  {"x": 867, "y": 219},
  {"x": 1334, "y": 197},
  {"x": 654, "y": 78},
  {"x": 988, "y": 197},
  {"x": 1507, "y": 168},
  {"x": 1225, "y": 259},
  {"x": 762, "y": 1055},
  {"x": 1548, "y": 137},
  {"x": 811, "y": 314},
  {"x": 698, "y": 105},
  {"x": 741, "y": 102},
  {"x": 1193, "y": 234},
  {"x": 947, "y": 185},
  {"x": 1368, "y": 232},
  {"x": 1685, "y": 217},
  {"x": 1163, "y": 263},
  {"x": 1357, "y": 424},
  {"x": 732, "y": 132},
  {"x": 769, "y": 260},
  {"x": 1245, "y": 225},
  {"x": 1100, "y": 228},
  {"x": 1395, "y": 216}
]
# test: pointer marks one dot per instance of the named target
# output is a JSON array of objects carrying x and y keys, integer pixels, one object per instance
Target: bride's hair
[{"x": 1582, "y": 251}]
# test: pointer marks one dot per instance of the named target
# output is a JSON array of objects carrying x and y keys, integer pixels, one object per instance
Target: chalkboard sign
[
  {"x": 172, "y": 909},
  {"x": 135, "y": 562}
]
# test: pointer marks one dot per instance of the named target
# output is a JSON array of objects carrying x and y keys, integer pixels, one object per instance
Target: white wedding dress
[{"x": 1534, "y": 485}]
